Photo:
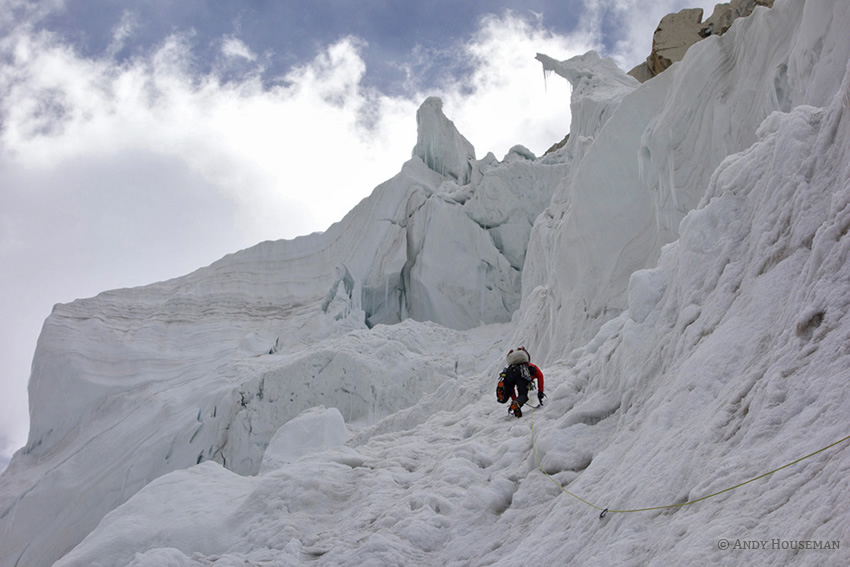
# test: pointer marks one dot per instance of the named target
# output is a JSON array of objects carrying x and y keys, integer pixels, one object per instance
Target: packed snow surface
[{"x": 678, "y": 271}]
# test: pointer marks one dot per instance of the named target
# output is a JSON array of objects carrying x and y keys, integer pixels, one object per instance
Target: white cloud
[
  {"x": 125, "y": 28},
  {"x": 14, "y": 11},
  {"x": 266, "y": 149},
  {"x": 505, "y": 100},
  {"x": 234, "y": 47}
]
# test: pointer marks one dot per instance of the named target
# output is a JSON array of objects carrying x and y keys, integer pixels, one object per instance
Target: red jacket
[{"x": 536, "y": 374}]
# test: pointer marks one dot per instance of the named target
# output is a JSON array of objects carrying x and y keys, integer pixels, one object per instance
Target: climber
[{"x": 515, "y": 380}]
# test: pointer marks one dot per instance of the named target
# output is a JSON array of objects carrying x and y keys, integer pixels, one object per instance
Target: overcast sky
[{"x": 140, "y": 140}]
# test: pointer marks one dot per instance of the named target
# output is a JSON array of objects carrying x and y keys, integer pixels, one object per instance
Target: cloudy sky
[{"x": 142, "y": 139}]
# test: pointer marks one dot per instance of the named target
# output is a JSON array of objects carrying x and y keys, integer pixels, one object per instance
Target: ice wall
[
  {"x": 730, "y": 361},
  {"x": 645, "y": 155},
  {"x": 685, "y": 291}
]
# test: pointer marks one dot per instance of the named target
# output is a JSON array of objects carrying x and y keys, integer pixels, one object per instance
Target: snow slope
[
  {"x": 685, "y": 292},
  {"x": 133, "y": 384}
]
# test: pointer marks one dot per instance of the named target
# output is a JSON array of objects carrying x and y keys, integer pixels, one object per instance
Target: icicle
[
  {"x": 386, "y": 290},
  {"x": 482, "y": 275},
  {"x": 546, "y": 74}
]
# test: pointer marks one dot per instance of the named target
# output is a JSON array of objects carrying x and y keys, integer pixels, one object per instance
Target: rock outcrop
[{"x": 677, "y": 32}]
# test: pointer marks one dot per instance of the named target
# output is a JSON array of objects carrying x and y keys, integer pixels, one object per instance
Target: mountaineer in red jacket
[{"x": 515, "y": 380}]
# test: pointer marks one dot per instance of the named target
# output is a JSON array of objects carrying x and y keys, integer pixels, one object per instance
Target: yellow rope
[{"x": 606, "y": 510}]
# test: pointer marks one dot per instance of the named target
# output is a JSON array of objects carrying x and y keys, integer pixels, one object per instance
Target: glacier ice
[
  {"x": 270, "y": 331},
  {"x": 440, "y": 146},
  {"x": 683, "y": 288},
  {"x": 647, "y": 152}
]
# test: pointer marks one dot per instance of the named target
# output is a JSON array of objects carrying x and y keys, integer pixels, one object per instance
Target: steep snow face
[
  {"x": 636, "y": 174},
  {"x": 440, "y": 146},
  {"x": 715, "y": 351},
  {"x": 136, "y": 383},
  {"x": 730, "y": 361}
]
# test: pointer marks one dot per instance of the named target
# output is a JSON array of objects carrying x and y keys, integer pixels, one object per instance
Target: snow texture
[
  {"x": 440, "y": 146},
  {"x": 678, "y": 271},
  {"x": 317, "y": 429}
]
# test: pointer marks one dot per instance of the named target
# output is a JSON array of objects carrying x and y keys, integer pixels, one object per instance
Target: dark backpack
[
  {"x": 517, "y": 372},
  {"x": 512, "y": 374}
]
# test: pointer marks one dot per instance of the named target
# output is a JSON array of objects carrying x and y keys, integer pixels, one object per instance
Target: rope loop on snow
[{"x": 605, "y": 511}]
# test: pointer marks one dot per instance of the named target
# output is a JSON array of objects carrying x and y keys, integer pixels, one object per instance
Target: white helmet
[{"x": 518, "y": 356}]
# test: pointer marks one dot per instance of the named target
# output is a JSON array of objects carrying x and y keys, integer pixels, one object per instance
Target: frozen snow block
[{"x": 314, "y": 430}]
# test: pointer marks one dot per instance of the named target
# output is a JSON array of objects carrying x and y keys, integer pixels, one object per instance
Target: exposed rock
[
  {"x": 641, "y": 72},
  {"x": 674, "y": 35},
  {"x": 677, "y": 32},
  {"x": 557, "y": 145},
  {"x": 724, "y": 14}
]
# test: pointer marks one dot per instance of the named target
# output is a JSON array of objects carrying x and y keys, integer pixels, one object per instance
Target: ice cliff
[
  {"x": 644, "y": 158},
  {"x": 678, "y": 270}
]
